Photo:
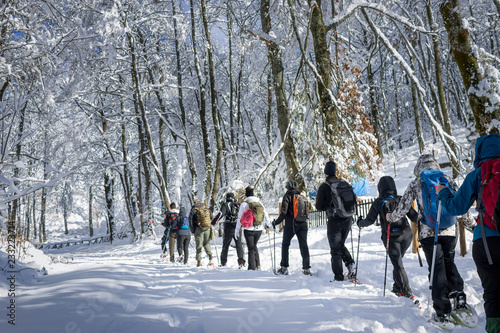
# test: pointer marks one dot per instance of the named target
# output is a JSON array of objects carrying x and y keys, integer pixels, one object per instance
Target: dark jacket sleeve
[
  {"x": 372, "y": 214},
  {"x": 323, "y": 197},
  {"x": 285, "y": 204},
  {"x": 412, "y": 215}
]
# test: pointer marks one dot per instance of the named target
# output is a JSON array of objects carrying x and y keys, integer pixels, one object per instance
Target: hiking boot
[
  {"x": 198, "y": 263},
  {"x": 459, "y": 299},
  {"x": 307, "y": 271},
  {"x": 210, "y": 257},
  {"x": 352, "y": 271},
  {"x": 283, "y": 270}
]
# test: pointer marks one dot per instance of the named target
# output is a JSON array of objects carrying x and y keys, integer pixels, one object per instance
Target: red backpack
[{"x": 488, "y": 194}]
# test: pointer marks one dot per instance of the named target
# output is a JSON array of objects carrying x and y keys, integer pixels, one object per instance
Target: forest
[{"x": 112, "y": 109}]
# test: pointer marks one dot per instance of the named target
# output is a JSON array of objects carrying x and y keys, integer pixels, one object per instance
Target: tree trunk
[
  {"x": 439, "y": 82},
  {"x": 215, "y": 114},
  {"x": 202, "y": 105},
  {"x": 374, "y": 107},
  {"x": 416, "y": 112},
  {"x": 461, "y": 49},
  {"x": 91, "y": 222},
  {"x": 277, "y": 69},
  {"x": 108, "y": 195},
  {"x": 324, "y": 67}
]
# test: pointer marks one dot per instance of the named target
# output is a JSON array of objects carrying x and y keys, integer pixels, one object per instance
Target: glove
[
  {"x": 274, "y": 224},
  {"x": 360, "y": 218}
]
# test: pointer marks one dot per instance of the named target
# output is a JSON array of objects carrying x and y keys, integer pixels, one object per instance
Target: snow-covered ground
[{"x": 127, "y": 288}]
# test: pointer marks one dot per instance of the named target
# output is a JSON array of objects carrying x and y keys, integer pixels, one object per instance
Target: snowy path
[{"x": 126, "y": 288}]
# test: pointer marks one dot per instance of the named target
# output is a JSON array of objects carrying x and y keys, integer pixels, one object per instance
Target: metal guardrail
[{"x": 319, "y": 218}]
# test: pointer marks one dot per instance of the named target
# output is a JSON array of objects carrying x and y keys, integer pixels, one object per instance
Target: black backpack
[
  {"x": 388, "y": 206},
  {"x": 232, "y": 209},
  {"x": 343, "y": 202}
]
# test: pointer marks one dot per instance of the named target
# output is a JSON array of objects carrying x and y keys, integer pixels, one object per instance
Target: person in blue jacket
[{"x": 487, "y": 147}]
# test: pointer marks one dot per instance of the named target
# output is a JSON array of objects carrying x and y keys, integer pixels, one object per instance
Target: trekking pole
[
  {"x": 270, "y": 250},
  {"x": 386, "y": 254},
  {"x": 433, "y": 265},
  {"x": 357, "y": 259},
  {"x": 166, "y": 240},
  {"x": 352, "y": 242},
  {"x": 274, "y": 236}
]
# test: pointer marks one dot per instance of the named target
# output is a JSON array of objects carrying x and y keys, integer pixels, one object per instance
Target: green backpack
[
  {"x": 258, "y": 212},
  {"x": 203, "y": 217}
]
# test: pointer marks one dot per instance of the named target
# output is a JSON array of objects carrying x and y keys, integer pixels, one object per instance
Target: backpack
[
  {"x": 203, "y": 217},
  {"x": 388, "y": 206},
  {"x": 232, "y": 209},
  {"x": 430, "y": 179},
  {"x": 300, "y": 208},
  {"x": 182, "y": 222},
  {"x": 488, "y": 194},
  {"x": 343, "y": 202},
  {"x": 253, "y": 216},
  {"x": 172, "y": 220}
]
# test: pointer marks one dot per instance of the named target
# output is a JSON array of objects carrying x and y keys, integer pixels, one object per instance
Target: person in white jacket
[{"x": 251, "y": 233}]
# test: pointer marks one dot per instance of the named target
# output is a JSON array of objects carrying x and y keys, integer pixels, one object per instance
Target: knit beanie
[
  {"x": 330, "y": 168},
  {"x": 291, "y": 184},
  {"x": 249, "y": 191}
]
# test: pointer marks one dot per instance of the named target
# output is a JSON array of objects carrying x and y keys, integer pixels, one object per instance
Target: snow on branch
[
  {"x": 352, "y": 8},
  {"x": 421, "y": 92}
]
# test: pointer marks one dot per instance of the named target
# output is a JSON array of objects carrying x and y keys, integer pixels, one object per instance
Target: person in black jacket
[
  {"x": 291, "y": 229},
  {"x": 229, "y": 211},
  {"x": 399, "y": 234},
  {"x": 337, "y": 227}
]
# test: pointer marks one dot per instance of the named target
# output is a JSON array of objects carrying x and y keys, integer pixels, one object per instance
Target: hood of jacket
[
  {"x": 487, "y": 147},
  {"x": 182, "y": 211},
  {"x": 386, "y": 187},
  {"x": 425, "y": 162}
]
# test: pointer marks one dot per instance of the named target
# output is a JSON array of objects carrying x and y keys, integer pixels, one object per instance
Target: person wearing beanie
[
  {"x": 229, "y": 211},
  {"x": 201, "y": 222},
  {"x": 291, "y": 229},
  {"x": 170, "y": 224},
  {"x": 252, "y": 233},
  {"x": 337, "y": 227},
  {"x": 447, "y": 284}
]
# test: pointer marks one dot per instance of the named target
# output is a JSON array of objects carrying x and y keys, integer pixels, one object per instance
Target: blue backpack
[
  {"x": 183, "y": 222},
  {"x": 430, "y": 179}
]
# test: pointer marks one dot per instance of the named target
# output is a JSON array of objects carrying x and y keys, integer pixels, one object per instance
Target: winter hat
[
  {"x": 196, "y": 201},
  {"x": 291, "y": 184},
  {"x": 229, "y": 196},
  {"x": 249, "y": 191},
  {"x": 183, "y": 211},
  {"x": 330, "y": 168}
]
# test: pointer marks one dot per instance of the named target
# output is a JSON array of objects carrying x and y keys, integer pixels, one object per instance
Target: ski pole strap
[{"x": 481, "y": 222}]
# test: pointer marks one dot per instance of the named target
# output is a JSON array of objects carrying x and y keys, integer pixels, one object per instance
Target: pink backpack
[{"x": 247, "y": 218}]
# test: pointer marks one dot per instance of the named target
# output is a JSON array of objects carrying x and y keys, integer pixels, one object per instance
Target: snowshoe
[
  {"x": 444, "y": 321},
  {"x": 465, "y": 316},
  {"x": 181, "y": 259},
  {"x": 307, "y": 272},
  {"x": 241, "y": 266},
  {"x": 211, "y": 265}
]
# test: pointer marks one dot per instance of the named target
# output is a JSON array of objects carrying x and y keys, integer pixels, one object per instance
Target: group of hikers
[{"x": 437, "y": 206}]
